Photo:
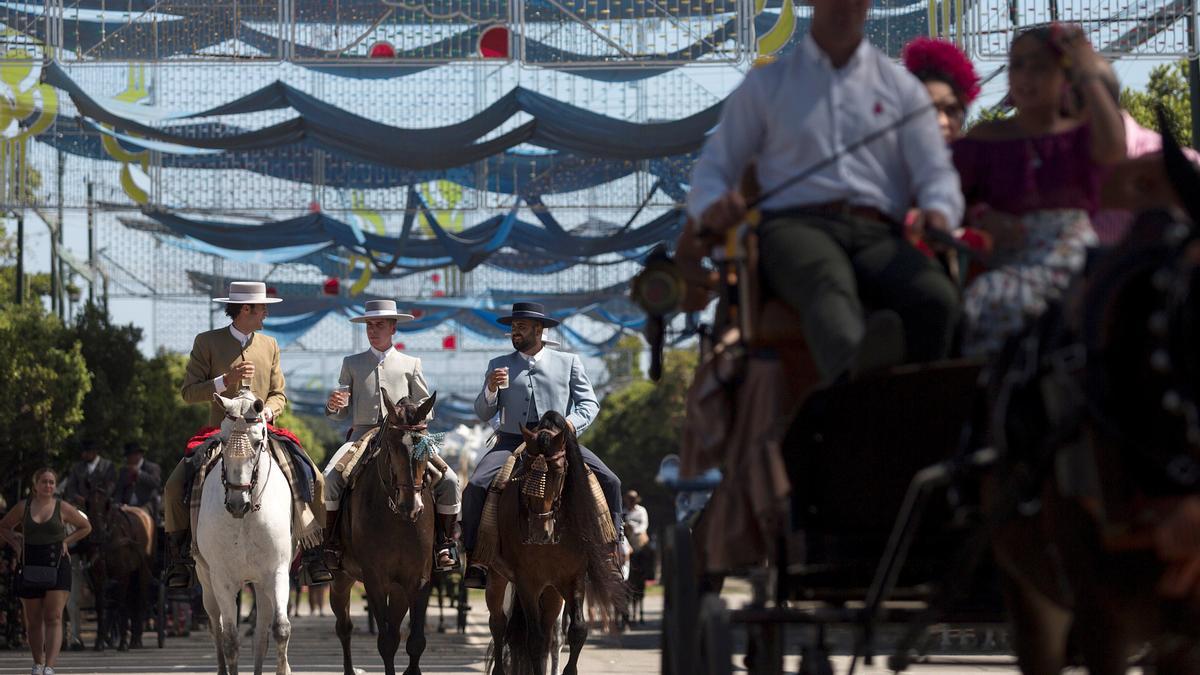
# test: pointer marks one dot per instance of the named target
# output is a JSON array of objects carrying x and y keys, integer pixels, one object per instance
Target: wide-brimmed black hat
[
  {"x": 528, "y": 310},
  {"x": 133, "y": 447}
]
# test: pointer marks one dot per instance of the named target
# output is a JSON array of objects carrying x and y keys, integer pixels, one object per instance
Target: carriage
[{"x": 863, "y": 498}]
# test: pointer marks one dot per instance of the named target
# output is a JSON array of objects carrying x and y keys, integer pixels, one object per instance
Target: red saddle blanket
[{"x": 205, "y": 433}]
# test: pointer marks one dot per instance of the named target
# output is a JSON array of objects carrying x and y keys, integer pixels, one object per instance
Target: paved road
[{"x": 315, "y": 649}]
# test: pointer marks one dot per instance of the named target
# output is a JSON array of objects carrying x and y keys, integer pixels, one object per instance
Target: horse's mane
[{"x": 605, "y": 590}]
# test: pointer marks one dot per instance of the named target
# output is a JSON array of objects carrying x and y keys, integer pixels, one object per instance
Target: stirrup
[
  {"x": 332, "y": 557},
  {"x": 314, "y": 564},
  {"x": 451, "y": 550}
]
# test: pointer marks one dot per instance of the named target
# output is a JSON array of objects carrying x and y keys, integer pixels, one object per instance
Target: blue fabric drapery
[
  {"x": 555, "y": 125},
  {"x": 466, "y": 249},
  {"x": 511, "y": 173}
]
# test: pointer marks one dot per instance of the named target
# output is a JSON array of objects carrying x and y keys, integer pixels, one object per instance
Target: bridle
[
  {"x": 257, "y": 452},
  {"x": 416, "y": 485}
]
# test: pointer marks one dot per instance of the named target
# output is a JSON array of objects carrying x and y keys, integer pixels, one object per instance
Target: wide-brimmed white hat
[
  {"x": 248, "y": 293},
  {"x": 381, "y": 309}
]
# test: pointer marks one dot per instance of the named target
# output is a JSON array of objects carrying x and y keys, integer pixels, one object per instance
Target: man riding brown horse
[
  {"x": 364, "y": 378},
  {"x": 522, "y": 386}
]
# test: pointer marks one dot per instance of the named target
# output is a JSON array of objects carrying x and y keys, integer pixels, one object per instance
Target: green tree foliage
[
  {"x": 114, "y": 409},
  {"x": 638, "y": 425},
  {"x": 318, "y": 439},
  {"x": 43, "y": 382},
  {"x": 1168, "y": 87},
  {"x": 168, "y": 421}
]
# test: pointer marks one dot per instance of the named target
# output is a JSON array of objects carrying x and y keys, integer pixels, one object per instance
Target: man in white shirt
[{"x": 836, "y": 234}]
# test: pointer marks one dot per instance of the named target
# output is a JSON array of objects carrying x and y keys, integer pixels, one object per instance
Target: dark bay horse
[
  {"x": 1095, "y": 412},
  {"x": 121, "y": 543},
  {"x": 552, "y": 552},
  {"x": 387, "y": 538}
]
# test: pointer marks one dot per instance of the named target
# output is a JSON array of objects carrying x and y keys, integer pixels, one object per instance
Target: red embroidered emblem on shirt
[{"x": 878, "y": 108}]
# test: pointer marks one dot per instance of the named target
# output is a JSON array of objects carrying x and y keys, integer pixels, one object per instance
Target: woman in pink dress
[{"x": 1040, "y": 169}]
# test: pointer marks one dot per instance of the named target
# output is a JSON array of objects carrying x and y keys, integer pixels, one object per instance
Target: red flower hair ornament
[{"x": 926, "y": 57}]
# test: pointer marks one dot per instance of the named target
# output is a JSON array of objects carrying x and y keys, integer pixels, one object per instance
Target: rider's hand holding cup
[
  {"x": 242, "y": 371},
  {"x": 339, "y": 398},
  {"x": 497, "y": 379}
]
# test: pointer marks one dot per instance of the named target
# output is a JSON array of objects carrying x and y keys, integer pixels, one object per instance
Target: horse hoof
[{"x": 123, "y": 648}]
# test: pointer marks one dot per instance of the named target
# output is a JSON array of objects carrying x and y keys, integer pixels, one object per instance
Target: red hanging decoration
[
  {"x": 314, "y": 207},
  {"x": 381, "y": 50},
  {"x": 272, "y": 292},
  {"x": 494, "y": 42},
  {"x": 439, "y": 293},
  {"x": 437, "y": 278},
  {"x": 417, "y": 313},
  {"x": 400, "y": 346},
  {"x": 331, "y": 286},
  {"x": 450, "y": 342}
]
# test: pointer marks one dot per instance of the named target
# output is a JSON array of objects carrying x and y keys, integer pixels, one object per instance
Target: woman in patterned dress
[{"x": 1039, "y": 171}]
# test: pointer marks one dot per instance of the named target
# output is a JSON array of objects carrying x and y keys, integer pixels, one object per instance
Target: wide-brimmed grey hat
[
  {"x": 381, "y": 309},
  {"x": 248, "y": 293}
]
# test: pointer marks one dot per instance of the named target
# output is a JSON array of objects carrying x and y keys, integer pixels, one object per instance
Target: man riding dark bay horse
[{"x": 521, "y": 387}]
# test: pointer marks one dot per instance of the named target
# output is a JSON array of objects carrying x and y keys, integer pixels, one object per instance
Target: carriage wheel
[
  {"x": 716, "y": 636},
  {"x": 681, "y": 603},
  {"x": 160, "y": 620}
]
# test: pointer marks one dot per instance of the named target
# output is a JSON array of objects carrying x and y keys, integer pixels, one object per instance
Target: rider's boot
[
  {"x": 180, "y": 573},
  {"x": 446, "y": 552},
  {"x": 314, "y": 564},
  {"x": 476, "y": 576},
  {"x": 333, "y": 541}
]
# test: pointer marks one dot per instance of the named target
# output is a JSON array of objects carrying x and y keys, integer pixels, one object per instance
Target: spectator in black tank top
[{"x": 43, "y": 540}]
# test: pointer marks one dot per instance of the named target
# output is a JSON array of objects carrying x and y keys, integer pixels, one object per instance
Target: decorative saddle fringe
[
  {"x": 603, "y": 515},
  {"x": 487, "y": 544}
]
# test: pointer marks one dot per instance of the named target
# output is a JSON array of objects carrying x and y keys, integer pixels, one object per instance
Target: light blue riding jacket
[{"x": 556, "y": 382}]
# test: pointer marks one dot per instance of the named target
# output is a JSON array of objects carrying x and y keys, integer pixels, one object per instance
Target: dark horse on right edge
[
  {"x": 387, "y": 535},
  {"x": 552, "y": 553},
  {"x": 1096, "y": 413}
]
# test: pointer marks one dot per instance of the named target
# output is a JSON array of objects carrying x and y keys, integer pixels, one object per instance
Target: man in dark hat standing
[
  {"x": 522, "y": 386},
  {"x": 91, "y": 471},
  {"x": 139, "y": 481}
]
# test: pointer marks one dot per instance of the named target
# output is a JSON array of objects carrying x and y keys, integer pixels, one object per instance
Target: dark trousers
[
  {"x": 490, "y": 464},
  {"x": 822, "y": 265}
]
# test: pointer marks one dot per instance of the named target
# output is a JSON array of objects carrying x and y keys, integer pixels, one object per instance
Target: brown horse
[
  {"x": 387, "y": 537},
  {"x": 121, "y": 543},
  {"x": 1096, "y": 416},
  {"x": 552, "y": 552}
]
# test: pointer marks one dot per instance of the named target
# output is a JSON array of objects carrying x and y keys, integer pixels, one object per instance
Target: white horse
[{"x": 244, "y": 535}]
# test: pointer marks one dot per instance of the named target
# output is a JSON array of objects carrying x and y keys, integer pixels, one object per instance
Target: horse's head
[
  {"x": 545, "y": 473},
  {"x": 406, "y": 447},
  {"x": 244, "y": 434}
]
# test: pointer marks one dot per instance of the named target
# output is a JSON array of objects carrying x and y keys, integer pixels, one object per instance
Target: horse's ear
[
  {"x": 387, "y": 401},
  {"x": 426, "y": 408},
  {"x": 529, "y": 435},
  {"x": 225, "y": 403},
  {"x": 560, "y": 441}
]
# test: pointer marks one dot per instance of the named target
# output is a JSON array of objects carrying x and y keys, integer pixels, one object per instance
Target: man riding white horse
[
  {"x": 522, "y": 386},
  {"x": 364, "y": 378},
  {"x": 835, "y": 235},
  {"x": 220, "y": 362}
]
